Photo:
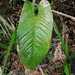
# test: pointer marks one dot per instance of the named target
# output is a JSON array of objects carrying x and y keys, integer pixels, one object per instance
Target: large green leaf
[{"x": 34, "y": 33}]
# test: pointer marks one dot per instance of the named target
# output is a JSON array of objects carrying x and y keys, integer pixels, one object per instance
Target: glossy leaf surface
[{"x": 34, "y": 33}]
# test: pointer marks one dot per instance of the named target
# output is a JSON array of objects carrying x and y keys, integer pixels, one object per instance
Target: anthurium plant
[{"x": 34, "y": 33}]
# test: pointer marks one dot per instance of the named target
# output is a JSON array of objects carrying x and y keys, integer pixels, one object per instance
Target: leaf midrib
[{"x": 34, "y": 34}]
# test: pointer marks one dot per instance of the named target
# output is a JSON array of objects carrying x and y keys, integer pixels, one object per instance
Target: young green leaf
[
  {"x": 58, "y": 33},
  {"x": 34, "y": 33},
  {"x": 66, "y": 50},
  {"x": 9, "y": 49},
  {"x": 67, "y": 68}
]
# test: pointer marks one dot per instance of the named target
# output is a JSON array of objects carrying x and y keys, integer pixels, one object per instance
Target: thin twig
[
  {"x": 60, "y": 13},
  {"x": 42, "y": 73},
  {"x": 40, "y": 66},
  {"x": 11, "y": 23}
]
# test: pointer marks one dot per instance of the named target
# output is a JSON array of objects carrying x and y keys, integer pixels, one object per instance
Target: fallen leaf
[{"x": 31, "y": 72}]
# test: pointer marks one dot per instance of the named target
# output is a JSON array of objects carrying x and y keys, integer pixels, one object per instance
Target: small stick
[
  {"x": 11, "y": 23},
  {"x": 60, "y": 13},
  {"x": 42, "y": 73},
  {"x": 40, "y": 66}
]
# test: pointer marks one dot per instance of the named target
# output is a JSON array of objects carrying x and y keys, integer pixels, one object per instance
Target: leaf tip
[{"x": 44, "y": 3}]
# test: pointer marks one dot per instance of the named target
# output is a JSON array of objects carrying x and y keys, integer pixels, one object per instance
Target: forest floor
[{"x": 53, "y": 63}]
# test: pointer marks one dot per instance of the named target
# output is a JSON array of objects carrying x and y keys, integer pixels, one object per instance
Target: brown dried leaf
[{"x": 31, "y": 72}]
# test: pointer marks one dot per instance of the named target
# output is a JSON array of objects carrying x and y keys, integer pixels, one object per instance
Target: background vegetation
[{"x": 61, "y": 56}]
